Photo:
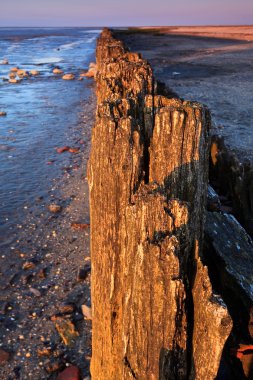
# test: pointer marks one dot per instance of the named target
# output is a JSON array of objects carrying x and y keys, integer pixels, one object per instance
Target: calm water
[{"x": 40, "y": 113}]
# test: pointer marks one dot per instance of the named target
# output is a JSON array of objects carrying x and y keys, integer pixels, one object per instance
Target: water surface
[{"x": 41, "y": 111}]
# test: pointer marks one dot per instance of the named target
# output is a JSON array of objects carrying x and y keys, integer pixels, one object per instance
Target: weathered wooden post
[{"x": 154, "y": 316}]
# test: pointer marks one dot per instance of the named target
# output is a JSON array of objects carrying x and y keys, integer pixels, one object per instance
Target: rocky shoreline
[{"x": 48, "y": 281}]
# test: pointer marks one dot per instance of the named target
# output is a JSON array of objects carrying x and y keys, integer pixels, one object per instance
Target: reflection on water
[{"x": 40, "y": 112}]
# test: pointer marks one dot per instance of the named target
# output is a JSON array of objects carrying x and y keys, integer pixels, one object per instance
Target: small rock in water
[
  {"x": 3, "y": 113},
  {"x": 14, "y": 69},
  {"x": 22, "y": 73},
  {"x": 14, "y": 80},
  {"x": 74, "y": 150},
  {"x": 86, "y": 310},
  {"x": 57, "y": 71},
  {"x": 34, "y": 72},
  {"x": 68, "y": 77},
  {"x": 5, "y": 62},
  {"x": 54, "y": 208},
  {"x": 70, "y": 373},
  {"x": 12, "y": 75},
  {"x": 62, "y": 149},
  {"x": 4, "y": 356}
]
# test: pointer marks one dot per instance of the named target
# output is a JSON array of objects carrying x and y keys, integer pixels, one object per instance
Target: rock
[
  {"x": 62, "y": 149},
  {"x": 4, "y": 356},
  {"x": 5, "y": 62},
  {"x": 14, "y": 80},
  {"x": 229, "y": 251},
  {"x": 28, "y": 265},
  {"x": 22, "y": 73},
  {"x": 36, "y": 292},
  {"x": 54, "y": 365},
  {"x": 12, "y": 75},
  {"x": 80, "y": 226},
  {"x": 57, "y": 71},
  {"x": 86, "y": 310},
  {"x": 34, "y": 72},
  {"x": 68, "y": 77},
  {"x": 66, "y": 330},
  {"x": 42, "y": 273},
  {"x": 83, "y": 273},
  {"x": 89, "y": 74},
  {"x": 93, "y": 65},
  {"x": 3, "y": 113},
  {"x": 70, "y": 373},
  {"x": 44, "y": 352},
  {"x": 14, "y": 69},
  {"x": 54, "y": 208},
  {"x": 74, "y": 150},
  {"x": 66, "y": 309}
]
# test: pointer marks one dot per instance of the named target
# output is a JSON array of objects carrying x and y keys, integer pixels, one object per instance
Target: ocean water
[{"x": 40, "y": 110}]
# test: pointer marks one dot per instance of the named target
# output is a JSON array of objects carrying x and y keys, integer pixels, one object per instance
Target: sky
[{"x": 125, "y": 12}]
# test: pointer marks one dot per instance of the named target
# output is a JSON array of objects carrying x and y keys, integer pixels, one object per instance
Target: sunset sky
[{"x": 125, "y": 12}]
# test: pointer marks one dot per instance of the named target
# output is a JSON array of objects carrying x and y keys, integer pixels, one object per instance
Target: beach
[
  {"x": 212, "y": 65},
  {"x": 45, "y": 259}
]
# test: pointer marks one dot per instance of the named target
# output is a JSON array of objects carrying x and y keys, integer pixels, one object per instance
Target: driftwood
[{"x": 153, "y": 312}]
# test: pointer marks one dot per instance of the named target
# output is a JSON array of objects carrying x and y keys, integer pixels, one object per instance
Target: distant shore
[
  {"x": 211, "y": 65},
  {"x": 237, "y": 32}
]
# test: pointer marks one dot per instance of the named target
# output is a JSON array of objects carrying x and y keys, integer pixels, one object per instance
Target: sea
[{"x": 41, "y": 110}]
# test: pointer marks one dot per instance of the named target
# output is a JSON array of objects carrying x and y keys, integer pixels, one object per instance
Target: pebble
[
  {"x": 68, "y": 77},
  {"x": 66, "y": 309},
  {"x": 54, "y": 366},
  {"x": 28, "y": 265},
  {"x": 4, "y": 356},
  {"x": 66, "y": 330},
  {"x": 57, "y": 71},
  {"x": 70, "y": 373},
  {"x": 80, "y": 226},
  {"x": 62, "y": 149},
  {"x": 34, "y": 72},
  {"x": 36, "y": 292},
  {"x": 83, "y": 273},
  {"x": 44, "y": 352},
  {"x": 54, "y": 208},
  {"x": 86, "y": 310}
]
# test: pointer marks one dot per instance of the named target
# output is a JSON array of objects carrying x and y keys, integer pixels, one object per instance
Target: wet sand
[
  {"x": 33, "y": 298},
  {"x": 212, "y": 65}
]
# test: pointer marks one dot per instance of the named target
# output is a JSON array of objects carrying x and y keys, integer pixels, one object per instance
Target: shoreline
[
  {"x": 44, "y": 285},
  {"x": 238, "y": 32}
]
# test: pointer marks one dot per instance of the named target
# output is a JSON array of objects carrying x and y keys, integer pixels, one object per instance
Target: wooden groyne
[{"x": 154, "y": 313}]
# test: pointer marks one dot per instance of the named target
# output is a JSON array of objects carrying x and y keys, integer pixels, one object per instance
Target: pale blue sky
[{"x": 124, "y": 12}]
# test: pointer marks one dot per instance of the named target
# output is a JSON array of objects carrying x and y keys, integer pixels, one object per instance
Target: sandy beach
[
  {"x": 212, "y": 65},
  {"x": 238, "y": 32},
  {"x": 49, "y": 276}
]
